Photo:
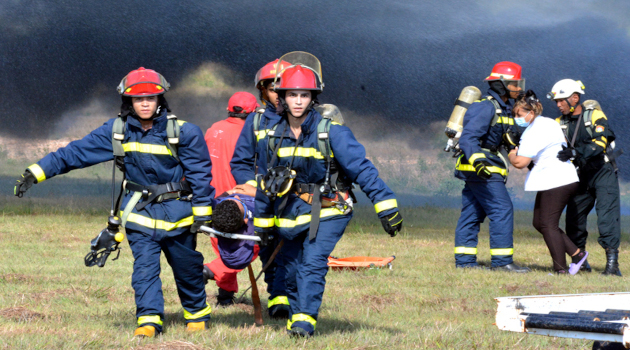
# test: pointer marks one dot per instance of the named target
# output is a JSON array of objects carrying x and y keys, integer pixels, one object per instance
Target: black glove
[
  {"x": 392, "y": 223},
  {"x": 194, "y": 228},
  {"x": 265, "y": 235},
  {"x": 24, "y": 183},
  {"x": 481, "y": 167},
  {"x": 567, "y": 154},
  {"x": 512, "y": 137}
]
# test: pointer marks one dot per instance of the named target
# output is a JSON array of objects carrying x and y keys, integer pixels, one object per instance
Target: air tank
[
  {"x": 455, "y": 123},
  {"x": 592, "y": 104}
]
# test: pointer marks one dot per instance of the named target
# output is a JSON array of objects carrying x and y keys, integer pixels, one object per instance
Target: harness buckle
[{"x": 145, "y": 194}]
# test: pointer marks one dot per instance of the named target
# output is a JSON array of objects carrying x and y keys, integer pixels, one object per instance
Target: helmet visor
[
  {"x": 514, "y": 85},
  {"x": 300, "y": 58}
]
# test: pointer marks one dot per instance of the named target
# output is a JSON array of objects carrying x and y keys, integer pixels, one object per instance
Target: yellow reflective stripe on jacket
[
  {"x": 301, "y": 317},
  {"x": 202, "y": 211},
  {"x": 386, "y": 204},
  {"x": 279, "y": 300},
  {"x": 305, "y": 219},
  {"x": 180, "y": 122},
  {"x": 149, "y": 319},
  {"x": 505, "y": 120},
  {"x": 261, "y": 134},
  {"x": 252, "y": 183},
  {"x": 605, "y": 140},
  {"x": 146, "y": 148},
  {"x": 468, "y": 167},
  {"x": 264, "y": 222},
  {"x": 476, "y": 156},
  {"x": 38, "y": 172},
  {"x": 158, "y": 224},
  {"x": 204, "y": 312},
  {"x": 600, "y": 143},
  {"x": 300, "y": 152},
  {"x": 465, "y": 250},
  {"x": 503, "y": 251}
]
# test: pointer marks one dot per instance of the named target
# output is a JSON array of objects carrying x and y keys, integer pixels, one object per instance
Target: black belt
[
  {"x": 492, "y": 148},
  {"x": 159, "y": 193},
  {"x": 304, "y": 188}
]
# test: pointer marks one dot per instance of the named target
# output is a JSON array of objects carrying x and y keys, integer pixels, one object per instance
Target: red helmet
[
  {"x": 269, "y": 71},
  {"x": 243, "y": 99},
  {"x": 143, "y": 82},
  {"x": 505, "y": 71},
  {"x": 299, "y": 78}
]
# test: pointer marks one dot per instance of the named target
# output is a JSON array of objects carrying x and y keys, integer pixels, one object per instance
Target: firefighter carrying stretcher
[{"x": 305, "y": 193}]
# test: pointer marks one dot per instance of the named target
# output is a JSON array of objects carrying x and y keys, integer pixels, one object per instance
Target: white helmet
[{"x": 565, "y": 88}]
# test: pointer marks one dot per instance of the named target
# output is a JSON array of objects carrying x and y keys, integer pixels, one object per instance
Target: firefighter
[
  {"x": 297, "y": 197},
  {"x": 484, "y": 169},
  {"x": 589, "y": 138},
  {"x": 244, "y": 171},
  {"x": 221, "y": 139},
  {"x": 162, "y": 211}
]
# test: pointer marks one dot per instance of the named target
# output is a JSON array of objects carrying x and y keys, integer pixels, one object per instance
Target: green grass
[{"x": 50, "y": 300}]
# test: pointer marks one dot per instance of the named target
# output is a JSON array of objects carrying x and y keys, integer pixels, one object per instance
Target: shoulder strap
[
  {"x": 172, "y": 133},
  {"x": 257, "y": 118},
  {"x": 323, "y": 139},
  {"x": 118, "y": 136},
  {"x": 497, "y": 110},
  {"x": 588, "y": 123}
]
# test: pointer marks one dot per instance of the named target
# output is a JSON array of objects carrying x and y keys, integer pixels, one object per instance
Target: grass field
[{"x": 50, "y": 300}]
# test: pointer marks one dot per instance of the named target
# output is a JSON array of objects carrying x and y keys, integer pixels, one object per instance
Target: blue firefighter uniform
[
  {"x": 306, "y": 259},
  {"x": 480, "y": 198},
  {"x": 243, "y": 170},
  {"x": 163, "y": 226}
]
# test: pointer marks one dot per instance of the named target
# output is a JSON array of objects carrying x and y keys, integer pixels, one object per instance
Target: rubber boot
[
  {"x": 144, "y": 332},
  {"x": 225, "y": 298},
  {"x": 612, "y": 263},
  {"x": 195, "y": 326}
]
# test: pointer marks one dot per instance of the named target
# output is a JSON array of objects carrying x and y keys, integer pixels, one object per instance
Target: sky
[{"x": 400, "y": 64}]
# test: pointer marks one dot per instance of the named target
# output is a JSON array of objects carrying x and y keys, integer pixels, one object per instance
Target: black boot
[
  {"x": 225, "y": 298},
  {"x": 612, "y": 262}
]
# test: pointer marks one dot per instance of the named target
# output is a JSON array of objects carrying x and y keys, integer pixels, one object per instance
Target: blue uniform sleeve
[
  {"x": 195, "y": 159},
  {"x": 350, "y": 155},
  {"x": 94, "y": 148},
  {"x": 476, "y": 124},
  {"x": 242, "y": 163}
]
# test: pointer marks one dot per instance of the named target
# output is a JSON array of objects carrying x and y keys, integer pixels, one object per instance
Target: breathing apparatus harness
[
  {"x": 610, "y": 155},
  {"x": 107, "y": 241},
  {"x": 335, "y": 191}
]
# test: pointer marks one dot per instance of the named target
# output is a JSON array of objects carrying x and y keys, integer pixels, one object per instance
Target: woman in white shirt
[{"x": 555, "y": 181}]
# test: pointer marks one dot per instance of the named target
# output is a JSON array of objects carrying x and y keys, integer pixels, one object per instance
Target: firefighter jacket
[
  {"x": 242, "y": 163},
  {"x": 310, "y": 166},
  {"x": 482, "y": 138},
  {"x": 148, "y": 161},
  {"x": 590, "y": 145}
]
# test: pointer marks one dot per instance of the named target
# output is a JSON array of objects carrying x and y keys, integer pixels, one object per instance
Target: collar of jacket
[
  {"x": 159, "y": 122},
  {"x": 271, "y": 108},
  {"x": 499, "y": 99}
]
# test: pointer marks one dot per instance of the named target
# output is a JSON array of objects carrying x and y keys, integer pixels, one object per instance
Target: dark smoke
[{"x": 403, "y": 60}]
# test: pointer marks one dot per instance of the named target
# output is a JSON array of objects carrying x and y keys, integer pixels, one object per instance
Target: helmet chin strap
[{"x": 572, "y": 107}]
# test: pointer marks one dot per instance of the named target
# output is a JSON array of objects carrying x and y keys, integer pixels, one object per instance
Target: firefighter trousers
[
  {"x": 306, "y": 264},
  {"x": 481, "y": 199},
  {"x": 601, "y": 191},
  {"x": 187, "y": 265}
]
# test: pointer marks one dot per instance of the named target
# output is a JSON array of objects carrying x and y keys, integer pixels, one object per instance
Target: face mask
[{"x": 521, "y": 121}]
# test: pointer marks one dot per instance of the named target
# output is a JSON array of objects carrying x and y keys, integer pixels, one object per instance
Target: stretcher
[
  {"x": 601, "y": 317},
  {"x": 360, "y": 262}
]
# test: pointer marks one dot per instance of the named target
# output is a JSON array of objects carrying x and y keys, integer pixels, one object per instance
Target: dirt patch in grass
[
  {"x": 20, "y": 314},
  {"x": 171, "y": 345},
  {"x": 16, "y": 278}
]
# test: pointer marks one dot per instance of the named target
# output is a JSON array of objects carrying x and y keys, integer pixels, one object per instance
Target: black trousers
[
  {"x": 602, "y": 191},
  {"x": 547, "y": 211}
]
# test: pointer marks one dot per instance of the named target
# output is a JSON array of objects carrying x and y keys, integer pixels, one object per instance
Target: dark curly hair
[{"x": 227, "y": 217}]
